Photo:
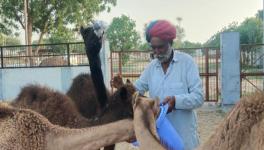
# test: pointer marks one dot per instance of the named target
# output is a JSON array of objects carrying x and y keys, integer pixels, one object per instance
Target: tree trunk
[
  {"x": 29, "y": 49},
  {"x": 39, "y": 41}
]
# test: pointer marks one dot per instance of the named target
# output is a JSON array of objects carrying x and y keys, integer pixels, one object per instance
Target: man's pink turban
[{"x": 161, "y": 29}]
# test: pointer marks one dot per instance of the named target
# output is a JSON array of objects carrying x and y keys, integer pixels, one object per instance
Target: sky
[{"x": 200, "y": 18}]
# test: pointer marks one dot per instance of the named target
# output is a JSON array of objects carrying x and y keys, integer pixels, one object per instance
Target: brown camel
[
  {"x": 87, "y": 102},
  {"x": 59, "y": 109},
  {"x": 83, "y": 94},
  {"x": 146, "y": 111},
  {"x": 24, "y": 129},
  {"x": 243, "y": 127}
]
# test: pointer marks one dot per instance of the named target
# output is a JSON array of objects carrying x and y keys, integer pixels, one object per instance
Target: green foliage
[
  {"x": 214, "y": 40},
  {"x": 8, "y": 40},
  {"x": 46, "y": 15},
  {"x": 251, "y": 31},
  {"x": 144, "y": 47},
  {"x": 60, "y": 35},
  {"x": 122, "y": 35},
  {"x": 187, "y": 44},
  {"x": 259, "y": 14}
]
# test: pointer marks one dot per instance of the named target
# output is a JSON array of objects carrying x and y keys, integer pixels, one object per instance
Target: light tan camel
[
  {"x": 53, "y": 61},
  {"x": 145, "y": 112},
  {"x": 243, "y": 127},
  {"x": 24, "y": 129}
]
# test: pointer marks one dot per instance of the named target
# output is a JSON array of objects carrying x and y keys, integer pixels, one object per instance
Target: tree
[
  {"x": 8, "y": 40},
  {"x": 214, "y": 41},
  {"x": 122, "y": 35},
  {"x": 45, "y": 15},
  {"x": 144, "y": 46},
  {"x": 61, "y": 35},
  {"x": 250, "y": 31},
  {"x": 259, "y": 14}
]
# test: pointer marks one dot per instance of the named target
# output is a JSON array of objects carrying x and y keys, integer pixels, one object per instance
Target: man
[{"x": 174, "y": 78}]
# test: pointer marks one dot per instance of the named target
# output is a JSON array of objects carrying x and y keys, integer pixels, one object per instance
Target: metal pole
[
  {"x": 263, "y": 42},
  {"x": 68, "y": 55},
  {"x": 26, "y": 30},
  {"x": 26, "y": 20},
  {"x": 2, "y": 58}
]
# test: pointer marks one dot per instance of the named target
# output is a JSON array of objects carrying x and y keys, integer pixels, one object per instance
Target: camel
[
  {"x": 24, "y": 129},
  {"x": 242, "y": 128},
  {"x": 102, "y": 108},
  {"x": 93, "y": 45},
  {"x": 83, "y": 94},
  {"x": 53, "y": 61},
  {"x": 146, "y": 111},
  {"x": 59, "y": 109}
]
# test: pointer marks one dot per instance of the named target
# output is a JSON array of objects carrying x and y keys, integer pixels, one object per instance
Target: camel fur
[
  {"x": 24, "y": 129},
  {"x": 83, "y": 93},
  {"x": 59, "y": 109},
  {"x": 242, "y": 128},
  {"x": 146, "y": 111}
]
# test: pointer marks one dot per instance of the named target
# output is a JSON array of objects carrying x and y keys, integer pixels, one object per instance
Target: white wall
[{"x": 58, "y": 78}]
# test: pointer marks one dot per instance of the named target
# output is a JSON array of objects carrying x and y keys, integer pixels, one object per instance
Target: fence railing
[
  {"x": 130, "y": 64},
  {"x": 43, "y": 55},
  {"x": 252, "y": 72}
]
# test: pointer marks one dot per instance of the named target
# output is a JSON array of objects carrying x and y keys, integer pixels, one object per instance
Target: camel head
[
  {"x": 123, "y": 96},
  {"x": 146, "y": 103},
  {"x": 6, "y": 110},
  {"x": 117, "y": 82},
  {"x": 149, "y": 108}
]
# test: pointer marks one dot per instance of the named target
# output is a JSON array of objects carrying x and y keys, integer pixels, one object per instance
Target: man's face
[{"x": 161, "y": 49}]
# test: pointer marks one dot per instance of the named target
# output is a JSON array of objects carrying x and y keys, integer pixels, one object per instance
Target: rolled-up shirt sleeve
[
  {"x": 194, "y": 98},
  {"x": 141, "y": 84}
]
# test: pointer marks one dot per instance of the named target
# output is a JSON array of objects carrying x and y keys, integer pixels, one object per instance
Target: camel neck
[
  {"x": 90, "y": 138},
  {"x": 144, "y": 124}
]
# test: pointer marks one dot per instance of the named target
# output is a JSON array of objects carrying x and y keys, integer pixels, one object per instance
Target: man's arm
[
  {"x": 141, "y": 84},
  {"x": 194, "y": 98}
]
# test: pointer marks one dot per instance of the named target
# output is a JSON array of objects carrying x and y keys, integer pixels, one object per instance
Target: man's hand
[{"x": 170, "y": 100}]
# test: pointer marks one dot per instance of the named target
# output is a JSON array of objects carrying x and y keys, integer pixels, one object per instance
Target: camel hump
[
  {"x": 6, "y": 110},
  {"x": 33, "y": 92}
]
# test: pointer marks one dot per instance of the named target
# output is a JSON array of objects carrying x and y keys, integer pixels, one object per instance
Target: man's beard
[{"x": 164, "y": 57}]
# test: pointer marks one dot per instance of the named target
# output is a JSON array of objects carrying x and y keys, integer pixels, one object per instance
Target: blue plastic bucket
[{"x": 169, "y": 137}]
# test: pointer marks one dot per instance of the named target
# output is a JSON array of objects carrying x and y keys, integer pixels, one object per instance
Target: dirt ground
[{"x": 209, "y": 116}]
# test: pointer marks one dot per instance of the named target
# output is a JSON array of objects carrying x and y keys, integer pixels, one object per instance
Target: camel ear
[
  {"x": 156, "y": 106},
  {"x": 135, "y": 99},
  {"x": 128, "y": 81}
]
